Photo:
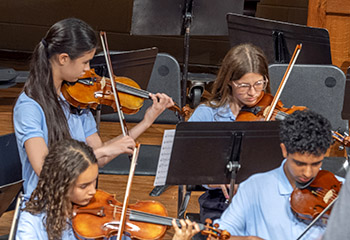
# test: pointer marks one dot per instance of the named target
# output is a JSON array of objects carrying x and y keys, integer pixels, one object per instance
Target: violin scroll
[
  {"x": 343, "y": 139},
  {"x": 214, "y": 232}
]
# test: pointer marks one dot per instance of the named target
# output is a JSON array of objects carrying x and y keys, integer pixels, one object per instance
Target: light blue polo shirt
[
  {"x": 261, "y": 208},
  {"x": 31, "y": 226},
  {"x": 29, "y": 121},
  {"x": 204, "y": 113}
]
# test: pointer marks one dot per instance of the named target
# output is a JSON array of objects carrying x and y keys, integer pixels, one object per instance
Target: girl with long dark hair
[{"x": 42, "y": 116}]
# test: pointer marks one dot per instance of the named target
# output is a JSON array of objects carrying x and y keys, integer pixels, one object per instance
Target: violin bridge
[
  {"x": 328, "y": 196},
  {"x": 103, "y": 83}
]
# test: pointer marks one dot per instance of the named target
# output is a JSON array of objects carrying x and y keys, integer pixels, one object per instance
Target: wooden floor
[{"x": 114, "y": 184}]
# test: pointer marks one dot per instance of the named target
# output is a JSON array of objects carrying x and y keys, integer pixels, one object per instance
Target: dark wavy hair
[
  {"x": 66, "y": 160},
  {"x": 240, "y": 60},
  {"x": 71, "y": 36},
  {"x": 306, "y": 132}
]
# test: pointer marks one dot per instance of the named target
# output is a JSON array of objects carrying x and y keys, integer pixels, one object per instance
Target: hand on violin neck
[
  {"x": 161, "y": 102},
  {"x": 187, "y": 231},
  {"x": 346, "y": 140}
]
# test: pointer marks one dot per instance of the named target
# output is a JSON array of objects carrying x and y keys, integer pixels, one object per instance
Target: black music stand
[
  {"x": 136, "y": 64},
  {"x": 8, "y": 193},
  {"x": 278, "y": 39},
  {"x": 182, "y": 17},
  {"x": 222, "y": 152}
]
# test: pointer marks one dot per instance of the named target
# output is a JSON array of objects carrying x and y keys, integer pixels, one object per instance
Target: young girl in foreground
[
  {"x": 68, "y": 177},
  {"x": 42, "y": 116}
]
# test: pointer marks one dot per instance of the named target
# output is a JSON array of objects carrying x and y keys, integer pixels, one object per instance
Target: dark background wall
[{"x": 23, "y": 23}]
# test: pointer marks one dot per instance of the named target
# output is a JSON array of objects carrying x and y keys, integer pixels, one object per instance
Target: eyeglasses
[{"x": 245, "y": 87}]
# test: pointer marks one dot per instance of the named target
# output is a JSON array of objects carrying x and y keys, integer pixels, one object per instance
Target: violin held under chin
[
  {"x": 310, "y": 200},
  {"x": 92, "y": 90},
  {"x": 259, "y": 110}
]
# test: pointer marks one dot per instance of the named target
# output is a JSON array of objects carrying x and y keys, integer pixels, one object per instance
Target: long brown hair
[
  {"x": 71, "y": 36},
  {"x": 66, "y": 160},
  {"x": 241, "y": 59}
]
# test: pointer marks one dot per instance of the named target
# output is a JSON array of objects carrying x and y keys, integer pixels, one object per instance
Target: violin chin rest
[{"x": 303, "y": 185}]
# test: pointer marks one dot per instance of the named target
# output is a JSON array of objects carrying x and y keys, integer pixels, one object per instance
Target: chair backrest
[
  {"x": 10, "y": 163},
  {"x": 165, "y": 78},
  {"x": 318, "y": 87}
]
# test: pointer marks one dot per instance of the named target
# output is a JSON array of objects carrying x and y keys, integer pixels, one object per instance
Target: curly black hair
[{"x": 306, "y": 132}]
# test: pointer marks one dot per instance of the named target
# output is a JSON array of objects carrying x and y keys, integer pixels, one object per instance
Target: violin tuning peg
[{"x": 208, "y": 221}]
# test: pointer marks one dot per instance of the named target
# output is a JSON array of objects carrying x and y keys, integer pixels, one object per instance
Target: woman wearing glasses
[{"x": 242, "y": 78}]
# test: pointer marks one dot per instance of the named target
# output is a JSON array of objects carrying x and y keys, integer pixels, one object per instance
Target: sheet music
[{"x": 164, "y": 157}]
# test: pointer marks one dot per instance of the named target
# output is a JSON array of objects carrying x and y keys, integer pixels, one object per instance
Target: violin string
[
  {"x": 154, "y": 218},
  {"x": 159, "y": 218},
  {"x": 141, "y": 91},
  {"x": 322, "y": 193},
  {"x": 130, "y": 89}
]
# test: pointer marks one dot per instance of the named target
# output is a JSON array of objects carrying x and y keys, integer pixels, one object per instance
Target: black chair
[
  {"x": 10, "y": 164},
  {"x": 10, "y": 176},
  {"x": 320, "y": 88}
]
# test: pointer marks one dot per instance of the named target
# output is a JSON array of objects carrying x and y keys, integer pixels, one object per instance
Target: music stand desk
[
  {"x": 202, "y": 151},
  {"x": 135, "y": 64},
  {"x": 278, "y": 39},
  {"x": 8, "y": 193}
]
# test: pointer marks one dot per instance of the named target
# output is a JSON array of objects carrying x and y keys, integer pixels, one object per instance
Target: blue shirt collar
[{"x": 284, "y": 186}]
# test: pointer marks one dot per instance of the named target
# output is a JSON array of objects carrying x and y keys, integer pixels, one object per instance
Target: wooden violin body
[
  {"x": 101, "y": 218},
  {"x": 92, "y": 90},
  {"x": 258, "y": 112},
  {"x": 309, "y": 202}
]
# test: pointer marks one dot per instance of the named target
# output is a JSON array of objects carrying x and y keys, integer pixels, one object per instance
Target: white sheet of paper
[{"x": 164, "y": 157}]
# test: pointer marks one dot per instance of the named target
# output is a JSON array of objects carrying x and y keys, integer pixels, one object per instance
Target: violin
[
  {"x": 144, "y": 220},
  {"x": 263, "y": 105},
  {"x": 92, "y": 90},
  {"x": 309, "y": 202},
  {"x": 268, "y": 106}
]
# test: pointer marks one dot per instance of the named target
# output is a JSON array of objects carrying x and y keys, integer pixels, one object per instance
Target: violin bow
[
  {"x": 284, "y": 81},
  {"x": 125, "y": 132},
  {"x": 104, "y": 43}
]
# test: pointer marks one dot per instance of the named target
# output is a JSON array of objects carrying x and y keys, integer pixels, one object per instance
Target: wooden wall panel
[{"x": 333, "y": 15}]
